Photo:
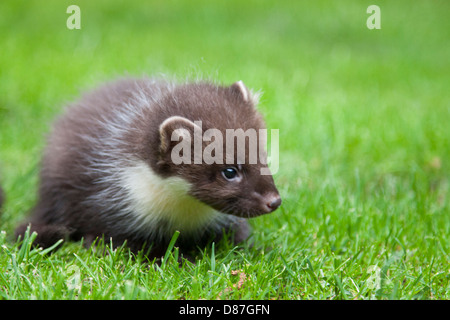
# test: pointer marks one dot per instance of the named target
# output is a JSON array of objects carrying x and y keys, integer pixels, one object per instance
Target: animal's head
[{"x": 218, "y": 146}]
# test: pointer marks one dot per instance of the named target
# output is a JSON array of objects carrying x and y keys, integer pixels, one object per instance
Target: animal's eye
[{"x": 230, "y": 173}]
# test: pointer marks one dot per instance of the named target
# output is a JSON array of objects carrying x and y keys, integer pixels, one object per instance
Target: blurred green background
[
  {"x": 337, "y": 90},
  {"x": 363, "y": 114}
]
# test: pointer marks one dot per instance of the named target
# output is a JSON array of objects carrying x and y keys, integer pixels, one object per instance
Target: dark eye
[{"x": 229, "y": 173}]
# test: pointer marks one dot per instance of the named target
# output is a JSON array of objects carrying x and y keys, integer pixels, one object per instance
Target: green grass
[{"x": 364, "y": 143}]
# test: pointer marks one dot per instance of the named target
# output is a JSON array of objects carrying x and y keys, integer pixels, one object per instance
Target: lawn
[{"x": 363, "y": 118}]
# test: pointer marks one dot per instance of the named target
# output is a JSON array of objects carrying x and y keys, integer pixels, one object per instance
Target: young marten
[{"x": 108, "y": 168}]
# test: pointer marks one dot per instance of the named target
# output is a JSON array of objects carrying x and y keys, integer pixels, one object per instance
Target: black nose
[{"x": 273, "y": 203}]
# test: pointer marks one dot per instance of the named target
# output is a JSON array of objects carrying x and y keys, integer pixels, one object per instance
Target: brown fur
[{"x": 70, "y": 175}]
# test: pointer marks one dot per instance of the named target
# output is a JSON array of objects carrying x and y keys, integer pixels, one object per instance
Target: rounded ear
[
  {"x": 244, "y": 93},
  {"x": 174, "y": 128}
]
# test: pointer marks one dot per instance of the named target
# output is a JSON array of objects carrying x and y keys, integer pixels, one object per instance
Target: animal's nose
[{"x": 273, "y": 202}]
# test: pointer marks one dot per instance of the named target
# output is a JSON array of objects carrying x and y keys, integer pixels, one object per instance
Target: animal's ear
[
  {"x": 240, "y": 89},
  {"x": 173, "y": 130}
]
